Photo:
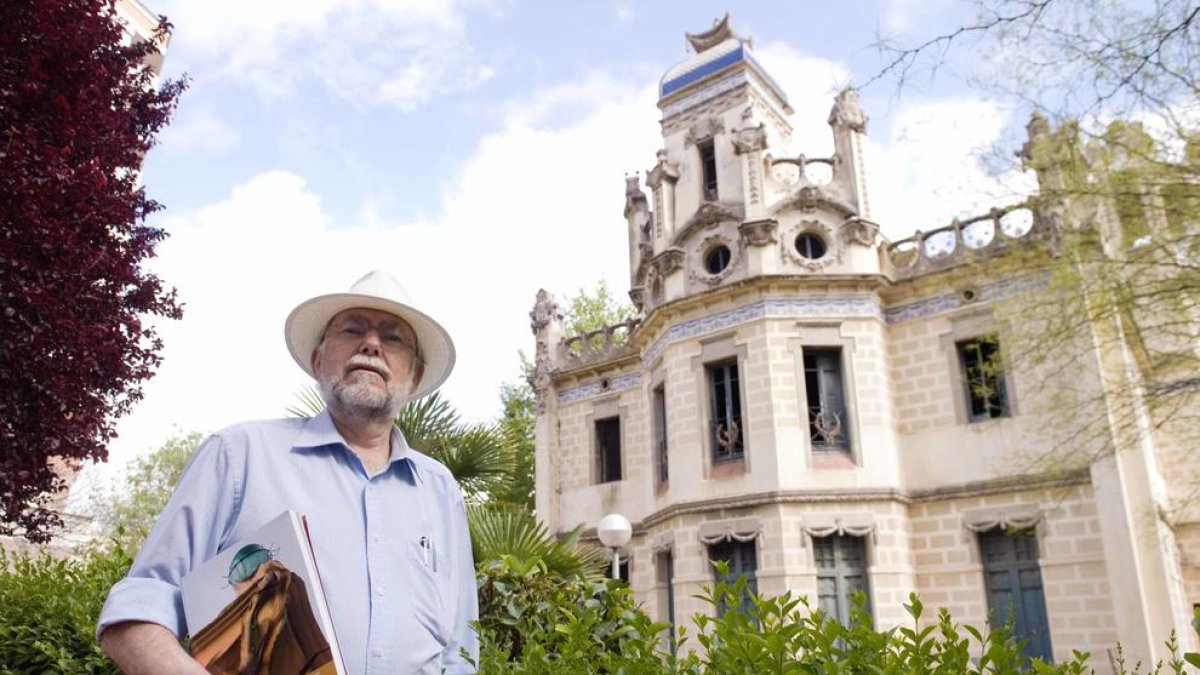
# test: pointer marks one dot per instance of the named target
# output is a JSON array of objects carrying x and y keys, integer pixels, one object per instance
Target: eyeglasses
[
  {"x": 246, "y": 562},
  {"x": 391, "y": 335}
]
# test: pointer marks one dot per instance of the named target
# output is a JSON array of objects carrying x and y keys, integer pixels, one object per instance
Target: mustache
[{"x": 371, "y": 362}]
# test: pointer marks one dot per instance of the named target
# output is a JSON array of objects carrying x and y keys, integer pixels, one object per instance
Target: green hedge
[
  {"x": 535, "y": 623},
  {"x": 48, "y": 610}
]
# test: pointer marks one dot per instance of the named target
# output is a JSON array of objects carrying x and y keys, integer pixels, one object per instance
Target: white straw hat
[{"x": 377, "y": 290}]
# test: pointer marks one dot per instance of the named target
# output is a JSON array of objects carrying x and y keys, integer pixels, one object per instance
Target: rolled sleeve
[{"x": 188, "y": 532}]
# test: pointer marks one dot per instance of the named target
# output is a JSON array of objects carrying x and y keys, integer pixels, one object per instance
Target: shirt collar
[{"x": 320, "y": 431}]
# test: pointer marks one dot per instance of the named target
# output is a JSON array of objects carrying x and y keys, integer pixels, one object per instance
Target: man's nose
[{"x": 371, "y": 343}]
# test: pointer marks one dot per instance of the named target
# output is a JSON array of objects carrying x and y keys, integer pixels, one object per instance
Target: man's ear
[
  {"x": 418, "y": 373},
  {"x": 315, "y": 360}
]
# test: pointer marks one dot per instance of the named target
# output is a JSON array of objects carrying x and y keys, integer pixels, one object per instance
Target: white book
[{"x": 258, "y": 606}]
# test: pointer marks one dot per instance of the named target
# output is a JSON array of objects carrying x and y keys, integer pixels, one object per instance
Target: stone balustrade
[
  {"x": 597, "y": 345},
  {"x": 952, "y": 245}
]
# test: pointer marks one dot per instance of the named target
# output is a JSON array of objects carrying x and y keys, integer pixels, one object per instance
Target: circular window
[
  {"x": 810, "y": 245},
  {"x": 717, "y": 259}
]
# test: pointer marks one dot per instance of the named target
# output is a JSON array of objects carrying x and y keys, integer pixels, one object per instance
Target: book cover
[{"x": 258, "y": 606}]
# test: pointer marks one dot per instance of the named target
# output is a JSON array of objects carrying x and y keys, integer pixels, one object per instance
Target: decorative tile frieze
[
  {"x": 593, "y": 389},
  {"x": 997, "y": 290},
  {"x": 864, "y": 306}
]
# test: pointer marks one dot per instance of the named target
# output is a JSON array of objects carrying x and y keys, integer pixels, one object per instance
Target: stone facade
[{"x": 827, "y": 403}]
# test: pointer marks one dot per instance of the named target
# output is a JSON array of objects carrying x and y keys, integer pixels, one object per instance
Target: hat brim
[{"x": 307, "y": 322}]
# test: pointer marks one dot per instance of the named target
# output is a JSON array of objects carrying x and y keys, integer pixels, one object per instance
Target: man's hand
[{"x": 147, "y": 649}]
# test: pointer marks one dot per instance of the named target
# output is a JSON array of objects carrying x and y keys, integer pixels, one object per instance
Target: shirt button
[
  {"x": 379, "y": 591},
  {"x": 377, "y": 653}
]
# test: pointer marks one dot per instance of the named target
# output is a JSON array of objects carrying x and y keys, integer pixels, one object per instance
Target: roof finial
[{"x": 720, "y": 32}]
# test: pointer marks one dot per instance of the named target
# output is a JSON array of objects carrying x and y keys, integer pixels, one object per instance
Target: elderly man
[{"x": 388, "y": 525}]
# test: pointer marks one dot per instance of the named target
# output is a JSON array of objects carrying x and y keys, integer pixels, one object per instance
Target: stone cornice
[{"x": 858, "y": 496}]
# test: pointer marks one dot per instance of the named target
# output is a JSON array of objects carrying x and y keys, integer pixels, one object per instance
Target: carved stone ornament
[
  {"x": 709, "y": 215},
  {"x": 669, "y": 261},
  {"x": 704, "y": 130},
  {"x": 759, "y": 232},
  {"x": 544, "y": 311},
  {"x": 750, "y": 139},
  {"x": 784, "y": 174},
  {"x": 833, "y": 247},
  {"x": 808, "y": 198},
  {"x": 847, "y": 112},
  {"x": 858, "y": 231},
  {"x": 663, "y": 170},
  {"x": 635, "y": 199},
  {"x": 637, "y": 295},
  {"x": 697, "y": 271}
]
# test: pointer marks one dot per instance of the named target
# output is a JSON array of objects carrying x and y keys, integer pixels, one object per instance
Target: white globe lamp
[{"x": 614, "y": 531}]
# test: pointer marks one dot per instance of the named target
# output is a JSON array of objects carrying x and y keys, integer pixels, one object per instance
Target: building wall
[{"x": 1074, "y": 576}]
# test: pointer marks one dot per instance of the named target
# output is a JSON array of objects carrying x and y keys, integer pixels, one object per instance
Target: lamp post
[{"x": 614, "y": 531}]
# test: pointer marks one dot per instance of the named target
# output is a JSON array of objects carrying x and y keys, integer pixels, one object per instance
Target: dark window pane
[
  {"x": 983, "y": 376},
  {"x": 608, "y": 449},
  {"x": 841, "y": 572},
  {"x": 1014, "y": 585},
  {"x": 708, "y": 167},
  {"x": 828, "y": 420},
  {"x": 726, "y": 424}
]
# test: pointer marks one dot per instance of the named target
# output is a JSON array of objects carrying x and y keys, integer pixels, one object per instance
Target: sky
[{"x": 477, "y": 150}]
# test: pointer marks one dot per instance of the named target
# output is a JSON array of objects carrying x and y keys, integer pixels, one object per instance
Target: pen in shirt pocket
[{"x": 428, "y": 555}]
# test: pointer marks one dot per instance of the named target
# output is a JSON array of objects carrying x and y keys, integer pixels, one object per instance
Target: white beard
[{"x": 361, "y": 399}]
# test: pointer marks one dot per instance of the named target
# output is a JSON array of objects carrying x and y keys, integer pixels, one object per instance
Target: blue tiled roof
[
  {"x": 711, "y": 61},
  {"x": 703, "y": 70}
]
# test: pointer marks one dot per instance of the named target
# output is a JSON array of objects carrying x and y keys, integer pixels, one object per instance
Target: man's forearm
[{"x": 147, "y": 648}]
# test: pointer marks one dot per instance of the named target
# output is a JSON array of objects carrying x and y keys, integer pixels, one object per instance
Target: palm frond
[
  {"x": 426, "y": 419},
  {"x": 308, "y": 403},
  {"x": 498, "y": 531},
  {"x": 477, "y": 455}
]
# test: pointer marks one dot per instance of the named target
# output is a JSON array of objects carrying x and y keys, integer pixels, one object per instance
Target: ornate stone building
[{"x": 825, "y": 410}]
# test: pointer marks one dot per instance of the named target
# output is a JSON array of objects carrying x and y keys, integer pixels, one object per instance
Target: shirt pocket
[{"x": 430, "y": 588}]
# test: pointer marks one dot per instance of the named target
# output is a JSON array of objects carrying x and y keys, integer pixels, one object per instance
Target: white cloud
[
  {"x": 929, "y": 169},
  {"x": 531, "y": 209},
  {"x": 901, "y": 16},
  {"x": 370, "y": 52},
  {"x": 197, "y": 130},
  {"x": 810, "y": 84}
]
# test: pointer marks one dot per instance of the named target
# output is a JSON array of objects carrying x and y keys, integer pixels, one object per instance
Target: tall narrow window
[
  {"x": 726, "y": 424},
  {"x": 666, "y": 594},
  {"x": 1014, "y": 587},
  {"x": 841, "y": 572},
  {"x": 608, "y": 450},
  {"x": 660, "y": 432},
  {"x": 742, "y": 559},
  {"x": 708, "y": 168},
  {"x": 983, "y": 377},
  {"x": 828, "y": 421}
]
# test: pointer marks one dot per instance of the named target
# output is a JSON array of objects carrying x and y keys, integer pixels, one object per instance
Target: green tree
[
  {"x": 517, "y": 423},
  {"x": 595, "y": 309},
  {"x": 127, "y": 509}
]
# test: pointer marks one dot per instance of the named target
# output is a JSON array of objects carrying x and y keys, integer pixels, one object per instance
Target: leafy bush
[
  {"x": 48, "y": 610},
  {"x": 532, "y": 623}
]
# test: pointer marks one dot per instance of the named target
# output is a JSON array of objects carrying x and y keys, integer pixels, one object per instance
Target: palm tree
[{"x": 507, "y": 531}]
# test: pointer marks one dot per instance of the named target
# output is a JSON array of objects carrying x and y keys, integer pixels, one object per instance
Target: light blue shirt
[{"x": 396, "y": 607}]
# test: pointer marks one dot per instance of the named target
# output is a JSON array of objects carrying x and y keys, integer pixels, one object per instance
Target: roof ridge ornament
[{"x": 720, "y": 32}]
